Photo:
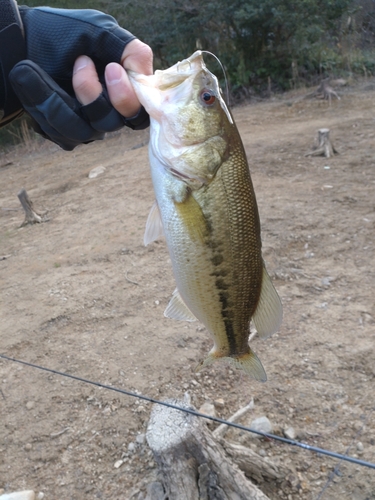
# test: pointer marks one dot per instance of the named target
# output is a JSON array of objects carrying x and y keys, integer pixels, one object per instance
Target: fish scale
[
  {"x": 206, "y": 206},
  {"x": 238, "y": 220}
]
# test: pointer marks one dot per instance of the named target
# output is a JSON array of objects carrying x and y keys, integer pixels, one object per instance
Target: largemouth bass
[{"x": 206, "y": 208}]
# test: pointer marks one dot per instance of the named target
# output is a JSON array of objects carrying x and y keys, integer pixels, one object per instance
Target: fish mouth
[
  {"x": 181, "y": 71},
  {"x": 152, "y": 90},
  {"x": 165, "y": 79}
]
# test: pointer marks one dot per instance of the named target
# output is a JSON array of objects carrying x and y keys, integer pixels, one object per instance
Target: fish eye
[{"x": 208, "y": 97}]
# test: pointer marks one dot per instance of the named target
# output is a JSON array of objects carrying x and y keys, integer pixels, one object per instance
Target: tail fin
[{"x": 249, "y": 363}]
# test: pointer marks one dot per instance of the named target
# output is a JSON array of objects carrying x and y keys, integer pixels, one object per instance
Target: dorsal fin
[
  {"x": 269, "y": 312},
  {"x": 177, "y": 309},
  {"x": 154, "y": 227}
]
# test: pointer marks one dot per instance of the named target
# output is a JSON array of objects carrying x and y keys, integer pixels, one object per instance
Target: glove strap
[{"x": 12, "y": 50}]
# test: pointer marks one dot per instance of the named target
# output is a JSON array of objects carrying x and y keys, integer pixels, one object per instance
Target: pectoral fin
[
  {"x": 154, "y": 228},
  {"x": 192, "y": 217},
  {"x": 177, "y": 309},
  {"x": 269, "y": 312}
]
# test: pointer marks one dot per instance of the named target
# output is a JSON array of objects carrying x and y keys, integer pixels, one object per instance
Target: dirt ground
[{"x": 82, "y": 295}]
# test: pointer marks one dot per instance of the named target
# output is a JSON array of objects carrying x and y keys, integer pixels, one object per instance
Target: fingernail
[
  {"x": 113, "y": 73},
  {"x": 80, "y": 63}
]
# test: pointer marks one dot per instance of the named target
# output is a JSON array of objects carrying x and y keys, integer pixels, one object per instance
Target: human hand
[
  {"x": 137, "y": 56},
  {"x": 55, "y": 38}
]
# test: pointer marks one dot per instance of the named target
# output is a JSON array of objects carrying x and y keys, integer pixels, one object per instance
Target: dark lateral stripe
[{"x": 228, "y": 322}]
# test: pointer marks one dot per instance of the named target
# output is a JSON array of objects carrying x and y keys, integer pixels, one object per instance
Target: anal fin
[
  {"x": 177, "y": 309},
  {"x": 269, "y": 312}
]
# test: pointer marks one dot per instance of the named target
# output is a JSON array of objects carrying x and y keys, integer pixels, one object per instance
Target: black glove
[{"x": 43, "y": 83}]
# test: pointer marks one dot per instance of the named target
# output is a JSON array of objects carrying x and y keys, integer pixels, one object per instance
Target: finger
[
  {"x": 85, "y": 80},
  {"x": 120, "y": 90},
  {"x": 52, "y": 108},
  {"x": 137, "y": 56}
]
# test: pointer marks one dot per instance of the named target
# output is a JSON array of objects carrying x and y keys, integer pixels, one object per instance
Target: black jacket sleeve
[{"x": 12, "y": 50}]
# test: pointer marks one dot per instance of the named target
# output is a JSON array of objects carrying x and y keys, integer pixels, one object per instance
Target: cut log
[
  {"x": 324, "y": 146},
  {"x": 31, "y": 216},
  {"x": 192, "y": 464}
]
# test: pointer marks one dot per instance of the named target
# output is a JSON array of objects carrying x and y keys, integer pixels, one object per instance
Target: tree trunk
[{"x": 192, "y": 465}]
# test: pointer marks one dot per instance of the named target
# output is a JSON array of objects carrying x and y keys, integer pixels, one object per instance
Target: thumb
[{"x": 137, "y": 56}]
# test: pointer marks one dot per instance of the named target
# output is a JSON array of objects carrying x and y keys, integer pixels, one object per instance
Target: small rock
[
  {"x": 208, "y": 409},
  {"x": 30, "y": 405},
  {"x": 19, "y": 495},
  {"x": 140, "y": 439},
  {"x": 292, "y": 480},
  {"x": 261, "y": 424},
  {"x": 359, "y": 446},
  {"x": 107, "y": 410},
  {"x": 290, "y": 433},
  {"x": 40, "y": 495},
  {"x": 219, "y": 403},
  {"x": 327, "y": 280},
  {"x": 131, "y": 447},
  {"x": 262, "y": 452},
  {"x": 28, "y": 447},
  {"x": 96, "y": 171},
  {"x": 118, "y": 464}
]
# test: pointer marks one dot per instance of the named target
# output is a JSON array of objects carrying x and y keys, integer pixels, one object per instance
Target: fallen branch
[{"x": 222, "y": 429}]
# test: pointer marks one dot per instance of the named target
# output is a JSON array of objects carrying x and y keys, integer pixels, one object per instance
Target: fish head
[{"x": 189, "y": 118}]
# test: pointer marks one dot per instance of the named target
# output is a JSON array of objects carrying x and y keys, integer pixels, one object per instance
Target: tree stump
[
  {"x": 253, "y": 465},
  {"x": 31, "y": 217},
  {"x": 324, "y": 146},
  {"x": 192, "y": 465},
  {"x": 327, "y": 91}
]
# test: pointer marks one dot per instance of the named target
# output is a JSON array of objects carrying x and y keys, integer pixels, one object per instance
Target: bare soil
[{"x": 82, "y": 295}]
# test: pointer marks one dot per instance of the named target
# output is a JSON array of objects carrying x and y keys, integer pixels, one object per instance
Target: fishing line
[
  {"x": 224, "y": 72},
  {"x": 197, "y": 414},
  {"x": 336, "y": 470}
]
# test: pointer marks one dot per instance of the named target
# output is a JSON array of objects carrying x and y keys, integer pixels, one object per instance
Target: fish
[{"x": 207, "y": 211}]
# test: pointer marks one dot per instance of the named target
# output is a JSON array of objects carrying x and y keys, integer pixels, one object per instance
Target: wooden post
[{"x": 192, "y": 464}]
